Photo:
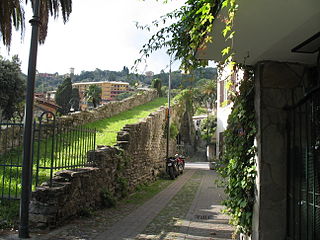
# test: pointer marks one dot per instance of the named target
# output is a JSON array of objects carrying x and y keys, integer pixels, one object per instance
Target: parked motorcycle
[
  {"x": 180, "y": 162},
  {"x": 172, "y": 167}
]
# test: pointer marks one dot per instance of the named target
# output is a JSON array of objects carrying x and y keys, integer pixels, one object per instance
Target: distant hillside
[{"x": 47, "y": 82}]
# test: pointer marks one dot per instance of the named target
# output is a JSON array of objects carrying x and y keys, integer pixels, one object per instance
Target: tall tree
[
  {"x": 93, "y": 95},
  {"x": 64, "y": 95},
  {"x": 125, "y": 71},
  {"x": 12, "y": 16},
  {"x": 157, "y": 84},
  {"x": 75, "y": 99},
  {"x": 209, "y": 91},
  {"x": 12, "y": 87}
]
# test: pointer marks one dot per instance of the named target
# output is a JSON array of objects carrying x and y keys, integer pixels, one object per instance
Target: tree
[
  {"x": 189, "y": 32},
  {"x": 124, "y": 95},
  {"x": 12, "y": 87},
  {"x": 205, "y": 93},
  {"x": 157, "y": 84},
  {"x": 93, "y": 95},
  {"x": 64, "y": 95},
  {"x": 125, "y": 71},
  {"x": 209, "y": 91},
  {"x": 12, "y": 16},
  {"x": 75, "y": 99},
  {"x": 208, "y": 128}
]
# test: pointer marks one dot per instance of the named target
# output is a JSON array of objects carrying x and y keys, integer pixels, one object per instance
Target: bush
[
  {"x": 124, "y": 95},
  {"x": 208, "y": 128},
  {"x": 107, "y": 199},
  {"x": 122, "y": 187}
]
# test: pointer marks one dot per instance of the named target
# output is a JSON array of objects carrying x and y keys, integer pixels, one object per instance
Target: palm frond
[{"x": 12, "y": 16}]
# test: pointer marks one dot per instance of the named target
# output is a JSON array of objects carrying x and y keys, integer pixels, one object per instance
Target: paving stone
[{"x": 135, "y": 223}]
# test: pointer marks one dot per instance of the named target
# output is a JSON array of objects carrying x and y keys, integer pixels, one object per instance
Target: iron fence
[
  {"x": 303, "y": 211},
  {"x": 55, "y": 147},
  {"x": 11, "y": 137}
]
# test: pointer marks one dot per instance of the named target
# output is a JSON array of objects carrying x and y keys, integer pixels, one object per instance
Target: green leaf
[{"x": 225, "y": 51}]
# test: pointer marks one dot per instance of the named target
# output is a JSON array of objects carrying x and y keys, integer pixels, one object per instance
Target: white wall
[{"x": 224, "y": 110}]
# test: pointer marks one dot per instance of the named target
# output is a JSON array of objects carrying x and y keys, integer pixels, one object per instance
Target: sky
[{"x": 100, "y": 34}]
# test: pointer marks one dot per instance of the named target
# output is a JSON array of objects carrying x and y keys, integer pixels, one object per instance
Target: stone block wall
[
  {"x": 138, "y": 158},
  {"x": 11, "y": 137},
  {"x": 278, "y": 86},
  {"x": 108, "y": 110}
]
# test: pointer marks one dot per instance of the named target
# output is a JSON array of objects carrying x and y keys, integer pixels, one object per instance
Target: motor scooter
[
  {"x": 180, "y": 163},
  {"x": 172, "y": 167}
]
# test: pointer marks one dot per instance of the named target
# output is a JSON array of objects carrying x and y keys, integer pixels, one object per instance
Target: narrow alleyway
[
  {"x": 204, "y": 220},
  {"x": 189, "y": 208}
]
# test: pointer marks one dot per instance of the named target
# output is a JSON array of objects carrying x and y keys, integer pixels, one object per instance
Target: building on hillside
[
  {"x": 43, "y": 104},
  {"x": 51, "y": 95},
  {"x": 47, "y": 74},
  {"x": 284, "y": 52},
  {"x": 109, "y": 90},
  {"x": 149, "y": 73}
]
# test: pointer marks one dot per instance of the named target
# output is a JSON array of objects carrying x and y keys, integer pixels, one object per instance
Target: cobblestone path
[
  {"x": 188, "y": 209},
  {"x": 135, "y": 223},
  {"x": 203, "y": 220}
]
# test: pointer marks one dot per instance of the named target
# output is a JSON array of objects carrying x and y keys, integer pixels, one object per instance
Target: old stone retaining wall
[
  {"x": 11, "y": 136},
  {"x": 108, "y": 110},
  {"x": 137, "y": 159}
]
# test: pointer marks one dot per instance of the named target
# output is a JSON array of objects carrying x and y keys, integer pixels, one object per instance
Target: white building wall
[
  {"x": 222, "y": 122},
  {"x": 223, "y": 105}
]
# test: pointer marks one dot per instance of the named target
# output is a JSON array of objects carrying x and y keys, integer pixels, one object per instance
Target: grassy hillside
[{"x": 108, "y": 128}]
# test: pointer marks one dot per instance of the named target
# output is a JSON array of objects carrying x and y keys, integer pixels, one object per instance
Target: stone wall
[
  {"x": 108, "y": 110},
  {"x": 138, "y": 158},
  {"x": 278, "y": 85},
  {"x": 11, "y": 137}
]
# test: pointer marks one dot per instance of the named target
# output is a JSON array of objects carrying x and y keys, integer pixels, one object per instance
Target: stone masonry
[
  {"x": 107, "y": 110},
  {"x": 278, "y": 86},
  {"x": 11, "y": 136},
  {"x": 138, "y": 158}
]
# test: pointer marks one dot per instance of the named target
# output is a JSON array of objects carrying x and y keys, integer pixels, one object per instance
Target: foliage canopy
[
  {"x": 64, "y": 95},
  {"x": 157, "y": 84},
  {"x": 189, "y": 31},
  {"x": 12, "y": 87},
  {"x": 93, "y": 95},
  {"x": 208, "y": 128}
]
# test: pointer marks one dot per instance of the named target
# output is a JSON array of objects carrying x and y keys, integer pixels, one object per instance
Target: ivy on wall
[{"x": 238, "y": 168}]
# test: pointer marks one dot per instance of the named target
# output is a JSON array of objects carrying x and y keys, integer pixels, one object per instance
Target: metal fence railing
[
  {"x": 55, "y": 148},
  {"x": 11, "y": 138}
]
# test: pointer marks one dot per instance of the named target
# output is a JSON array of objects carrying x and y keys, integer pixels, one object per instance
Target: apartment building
[{"x": 109, "y": 90}]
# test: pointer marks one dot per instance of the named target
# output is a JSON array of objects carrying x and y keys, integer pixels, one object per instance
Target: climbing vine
[
  {"x": 238, "y": 159},
  {"x": 190, "y": 31}
]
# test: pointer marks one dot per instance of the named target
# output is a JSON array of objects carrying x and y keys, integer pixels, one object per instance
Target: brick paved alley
[{"x": 189, "y": 208}]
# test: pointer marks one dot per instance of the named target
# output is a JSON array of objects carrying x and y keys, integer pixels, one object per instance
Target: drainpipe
[{"x": 28, "y": 128}]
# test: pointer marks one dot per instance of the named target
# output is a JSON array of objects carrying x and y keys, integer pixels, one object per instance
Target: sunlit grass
[
  {"x": 108, "y": 128},
  {"x": 145, "y": 192},
  {"x": 67, "y": 146},
  {"x": 68, "y": 149},
  {"x": 9, "y": 214}
]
